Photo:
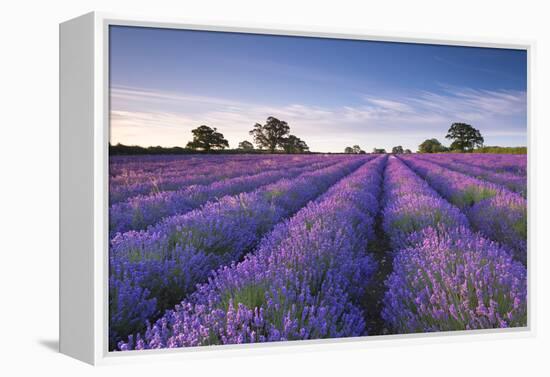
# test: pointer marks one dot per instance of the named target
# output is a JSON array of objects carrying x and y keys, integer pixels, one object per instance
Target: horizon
[{"x": 333, "y": 93}]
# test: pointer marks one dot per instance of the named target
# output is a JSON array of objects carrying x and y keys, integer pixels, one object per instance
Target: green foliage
[
  {"x": 293, "y": 144},
  {"x": 270, "y": 135},
  {"x": 520, "y": 227},
  {"x": 127, "y": 150},
  {"x": 355, "y": 149},
  {"x": 397, "y": 150},
  {"x": 431, "y": 146},
  {"x": 502, "y": 150},
  {"x": 246, "y": 145},
  {"x": 135, "y": 150},
  {"x": 465, "y": 137},
  {"x": 473, "y": 194},
  {"x": 206, "y": 138},
  {"x": 378, "y": 150},
  {"x": 251, "y": 295},
  {"x": 273, "y": 194},
  {"x": 414, "y": 220}
]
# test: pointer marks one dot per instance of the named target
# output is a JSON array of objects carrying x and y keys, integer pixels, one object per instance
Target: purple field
[{"x": 226, "y": 249}]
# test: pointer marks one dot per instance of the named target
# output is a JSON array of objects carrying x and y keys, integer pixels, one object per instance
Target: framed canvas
[{"x": 241, "y": 190}]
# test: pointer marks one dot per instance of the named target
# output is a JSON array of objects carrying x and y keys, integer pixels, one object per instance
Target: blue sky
[{"x": 333, "y": 93}]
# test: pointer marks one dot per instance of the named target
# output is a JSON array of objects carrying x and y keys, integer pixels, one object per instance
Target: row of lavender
[
  {"x": 143, "y": 176},
  {"x": 144, "y": 210},
  {"x": 140, "y": 175},
  {"x": 500, "y": 163},
  {"x": 512, "y": 181},
  {"x": 498, "y": 213},
  {"x": 304, "y": 281},
  {"x": 153, "y": 269},
  {"x": 445, "y": 277},
  {"x": 439, "y": 265},
  {"x": 133, "y": 166}
]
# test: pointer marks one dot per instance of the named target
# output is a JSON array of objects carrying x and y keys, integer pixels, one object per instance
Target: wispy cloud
[
  {"x": 150, "y": 117},
  {"x": 131, "y": 94},
  {"x": 390, "y": 105}
]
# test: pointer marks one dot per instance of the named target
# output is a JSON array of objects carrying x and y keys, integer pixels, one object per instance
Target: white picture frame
[{"x": 84, "y": 137}]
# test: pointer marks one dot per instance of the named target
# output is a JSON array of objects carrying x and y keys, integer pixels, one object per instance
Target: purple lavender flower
[
  {"x": 304, "y": 281},
  {"x": 483, "y": 171},
  {"x": 412, "y": 205},
  {"x": 141, "y": 211},
  {"x": 496, "y": 212},
  {"x": 145, "y": 175},
  {"x": 168, "y": 260},
  {"x": 503, "y": 218},
  {"x": 445, "y": 277},
  {"x": 455, "y": 280}
]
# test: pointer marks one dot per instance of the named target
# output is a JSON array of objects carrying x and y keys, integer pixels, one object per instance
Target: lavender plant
[
  {"x": 210, "y": 250},
  {"x": 445, "y": 277},
  {"x": 514, "y": 182},
  {"x": 148, "y": 175},
  {"x": 453, "y": 279},
  {"x": 303, "y": 282},
  {"x": 141, "y": 211},
  {"x": 479, "y": 200},
  {"x": 164, "y": 263}
]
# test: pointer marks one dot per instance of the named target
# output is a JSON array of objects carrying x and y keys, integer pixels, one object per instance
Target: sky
[{"x": 333, "y": 93}]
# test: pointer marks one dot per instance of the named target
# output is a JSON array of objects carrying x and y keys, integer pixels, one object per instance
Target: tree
[
  {"x": 206, "y": 138},
  {"x": 465, "y": 137},
  {"x": 293, "y": 144},
  {"x": 407, "y": 151},
  {"x": 431, "y": 146},
  {"x": 397, "y": 150},
  {"x": 246, "y": 145},
  {"x": 355, "y": 149},
  {"x": 378, "y": 150},
  {"x": 270, "y": 135}
]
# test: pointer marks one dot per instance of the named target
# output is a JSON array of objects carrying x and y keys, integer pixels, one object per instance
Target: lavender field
[{"x": 244, "y": 248}]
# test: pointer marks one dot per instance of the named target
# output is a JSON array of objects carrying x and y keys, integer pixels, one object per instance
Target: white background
[{"x": 29, "y": 184}]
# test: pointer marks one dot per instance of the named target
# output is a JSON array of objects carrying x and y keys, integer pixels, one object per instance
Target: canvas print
[{"x": 267, "y": 188}]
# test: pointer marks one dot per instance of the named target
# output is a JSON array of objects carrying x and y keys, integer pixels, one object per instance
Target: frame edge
[{"x": 76, "y": 183}]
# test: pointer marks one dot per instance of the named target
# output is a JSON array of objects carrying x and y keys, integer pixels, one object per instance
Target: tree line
[
  {"x": 465, "y": 138},
  {"x": 274, "y": 135},
  {"x": 357, "y": 150}
]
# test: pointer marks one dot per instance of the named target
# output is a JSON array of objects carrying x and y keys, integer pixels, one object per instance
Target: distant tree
[
  {"x": 407, "y": 151},
  {"x": 378, "y": 150},
  {"x": 465, "y": 137},
  {"x": 293, "y": 144},
  {"x": 246, "y": 145},
  {"x": 206, "y": 138},
  {"x": 431, "y": 146},
  {"x": 355, "y": 149},
  {"x": 271, "y": 134},
  {"x": 397, "y": 150}
]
